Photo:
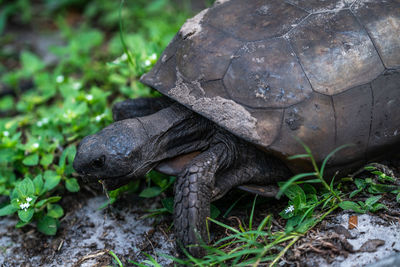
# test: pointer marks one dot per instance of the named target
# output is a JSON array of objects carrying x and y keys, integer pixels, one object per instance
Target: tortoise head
[{"x": 114, "y": 155}]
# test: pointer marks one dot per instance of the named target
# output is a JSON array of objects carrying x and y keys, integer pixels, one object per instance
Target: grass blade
[
  {"x": 252, "y": 213},
  {"x": 331, "y": 155},
  {"x": 291, "y": 180}
]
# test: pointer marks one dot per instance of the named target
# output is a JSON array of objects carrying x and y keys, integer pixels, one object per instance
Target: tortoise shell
[{"x": 326, "y": 72}]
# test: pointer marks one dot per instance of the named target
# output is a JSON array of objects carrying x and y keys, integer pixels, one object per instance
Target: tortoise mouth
[
  {"x": 110, "y": 183},
  {"x": 116, "y": 182}
]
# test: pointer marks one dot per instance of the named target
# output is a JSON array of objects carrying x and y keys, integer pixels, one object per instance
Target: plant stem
[{"x": 284, "y": 250}]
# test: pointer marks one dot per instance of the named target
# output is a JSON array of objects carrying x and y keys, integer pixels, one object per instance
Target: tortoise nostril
[{"x": 99, "y": 162}]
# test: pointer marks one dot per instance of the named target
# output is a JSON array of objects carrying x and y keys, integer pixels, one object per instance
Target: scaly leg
[
  {"x": 193, "y": 192},
  {"x": 211, "y": 175}
]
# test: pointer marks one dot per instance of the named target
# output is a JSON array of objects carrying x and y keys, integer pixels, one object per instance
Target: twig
[{"x": 90, "y": 256}]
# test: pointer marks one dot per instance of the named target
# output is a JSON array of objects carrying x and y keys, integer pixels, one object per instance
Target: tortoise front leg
[
  {"x": 139, "y": 107},
  {"x": 193, "y": 192},
  {"x": 255, "y": 172}
]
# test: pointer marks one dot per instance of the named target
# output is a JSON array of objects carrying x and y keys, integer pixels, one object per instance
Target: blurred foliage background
[{"x": 62, "y": 66}]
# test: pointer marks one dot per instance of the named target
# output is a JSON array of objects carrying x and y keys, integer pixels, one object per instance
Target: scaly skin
[
  {"x": 131, "y": 147},
  {"x": 193, "y": 194}
]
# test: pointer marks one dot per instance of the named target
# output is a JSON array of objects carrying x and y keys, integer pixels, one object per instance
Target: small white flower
[
  {"x": 6, "y": 133},
  {"x": 89, "y": 97},
  {"x": 147, "y": 63},
  {"x": 98, "y": 118},
  {"x": 24, "y": 206},
  {"x": 60, "y": 78},
  {"x": 45, "y": 120},
  {"x": 35, "y": 145},
  {"x": 29, "y": 199},
  {"x": 116, "y": 61},
  {"x": 289, "y": 209},
  {"x": 39, "y": 124},
  {"x": 153, "y": 56},
  {"x": 76, "y": 85},
  {"x": 124, "y": 57}
]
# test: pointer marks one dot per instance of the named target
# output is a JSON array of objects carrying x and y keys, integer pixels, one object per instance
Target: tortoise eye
[{"x": 99, "y": 162}]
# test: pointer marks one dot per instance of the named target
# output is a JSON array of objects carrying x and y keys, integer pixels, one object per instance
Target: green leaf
[
  {"x": 47, "y": 200},
  {"x": 25, "y": 215},
  {"x": 46, "y": 160},
  {"x": 68, "y": 154},
  {"x": 355, "y": 192},
  {"x": 360, "y": 183},
  {"x": 294, "y": 191},
  {"x": 369, "y": 168},
  {"x": 214, "y": 211},
  {"x": 51, "y": 180},
  {"x": 350, "y": 205},
  {"x": 327, "y": 201},
  {"x": 398, "y": 197},
  {"x": 55, "y": 211},
  {"x": 292, "y": 180},
  {"x": 298, "y": 203},
  {"x": 383, "y": 177},
  {"x": 72, "y": 185},
  {"x": 31, "y": 160},
  {"x": 159, "y": 179},
  {"x": 381, "y": 188},
  {"x": 378, "y": 206},
  {"x": 286, "y": 213},
  {"x": 48, "y": 225},
  {"x": 150, "y": 192},
  {"x": 38, "y": 183},
  {"x": 372, "y": 200},
  {"x": 30, "y": 62},
  {"x": 168, "y": 203},
  {"x": 305, "y": 225},
  {"x": 309, "y": 189},
  {"x": 21, "y": 224},
  {"x": 292, "y": 223},
  {"x": 7, "y": 210},
  {"x": 25, "y": 188}
]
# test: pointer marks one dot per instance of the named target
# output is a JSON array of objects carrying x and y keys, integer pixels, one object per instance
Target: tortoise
[{"x": 241, "y": 81}]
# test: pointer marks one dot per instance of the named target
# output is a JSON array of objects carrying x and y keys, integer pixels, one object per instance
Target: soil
[{"x": 87, "y": 234}]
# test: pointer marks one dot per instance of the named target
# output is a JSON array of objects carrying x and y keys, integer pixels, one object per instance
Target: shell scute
[
  {"x": 212, "y": 56},
  {"x": 336, "y": 52},
  {"x": 382, "y": 21},
  {"x": 267, "y": 74},
  {"x": 255, "y": 20},
  {"x": 385, "y": 128},
  {"x": 353, "y": 114}
]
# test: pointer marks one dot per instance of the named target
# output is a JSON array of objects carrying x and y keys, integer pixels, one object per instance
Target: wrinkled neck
[{"x": 175, "y": 131}]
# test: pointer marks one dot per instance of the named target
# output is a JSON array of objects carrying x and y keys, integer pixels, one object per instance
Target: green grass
[
  {"x": 250, "y": 245},
  {"x": 40, "y": 127}
]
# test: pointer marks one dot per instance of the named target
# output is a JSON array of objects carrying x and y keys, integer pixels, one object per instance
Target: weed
[
  {"x": 264, "y": 244},
  {"x": 42, "y": 122}
]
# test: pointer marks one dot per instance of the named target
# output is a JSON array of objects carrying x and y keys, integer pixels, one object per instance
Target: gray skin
[{"x": 130, "y": 148}]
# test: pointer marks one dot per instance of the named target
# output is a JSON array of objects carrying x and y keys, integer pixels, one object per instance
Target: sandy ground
[
  {"x": 87, "y": 234},
  {"x": 85, "y": 237}
]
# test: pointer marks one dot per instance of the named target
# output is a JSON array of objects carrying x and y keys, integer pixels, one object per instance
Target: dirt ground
[{"x": 87, "y": 234}]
